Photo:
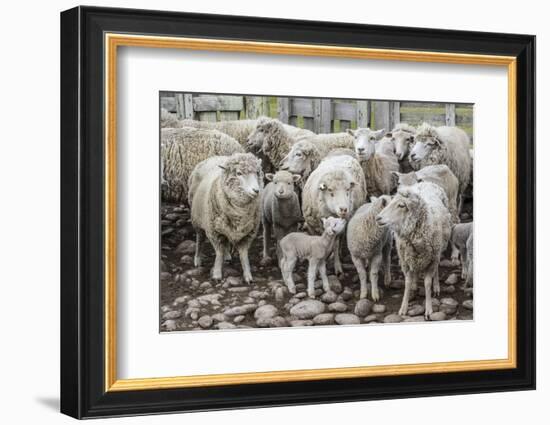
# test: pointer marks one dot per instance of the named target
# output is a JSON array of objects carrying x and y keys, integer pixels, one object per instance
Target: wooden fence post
[
  {"x": 255, "y": 106},
  {"x": 180, "y": 106},
  {"x": 363, "y": 115},
  {"x": 188, "y": 111},
  {"x": 325, "y": 116},
  {"x": 283, "y": 106},
  {"x": 395, "y": 115},
  {"x": 450, "y": 114},
  {"x": 386, "y": 115}
]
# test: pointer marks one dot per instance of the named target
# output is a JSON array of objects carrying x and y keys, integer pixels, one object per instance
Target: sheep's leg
[
  {"x": 218, "y": 262},
  {"x": 460, "y": 203},
  {"x": 311, "y": 274},
  {"x": 387, "y": 263},
  {"x": 470, "y": 275},
  {"x": 437, "y": 288},
  {"x": 266, "y": 243},
  {"x": 454, "y": 254},
  {"x": 409, "y": 279},
  {"x": 338, "y": 270},
  {"x": 362, "y": 271},
  {"x": 428, "y": 288},
  {"x": 245, "y": 263},
  {"x": 287, "y": 267},
  {"x": 324, "y": 277},
  {"x": 374, "y": 269},
  {"x": 279, "y": 234},
  {"x": 198, "y": 248},
  {"x": 463, "y": 258}
]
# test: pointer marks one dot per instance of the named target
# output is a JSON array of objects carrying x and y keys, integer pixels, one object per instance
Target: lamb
[
  {"x": 272, "y": 139},
  {"x": 444, "y": 145},
  {"x": 370, "y": 245},
  {"x": 377, "y": 166},
  {"x": 422, "y": 227},
  {"x": 402, "y": 137},
  {"x": 226, "y": 207},
  {"x": 280, "y": 209},
  {"x": 182, "y": 149},
  {"x": 336, "y": 187},
  {"x": 459, "y": 240},
  {"x": 440, "y": 175},
  {"x": 316, "y": 249}
]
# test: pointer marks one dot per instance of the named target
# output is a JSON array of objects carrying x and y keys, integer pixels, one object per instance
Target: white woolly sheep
[
  {"x": 272, "y": 140},
  {"x": 377, "y": 166},
  {"x": 226, "y": 207},
  {"x": 168, "y": 120},
  {"x": 422, "y": 226},
  {"x": 402, "y": 138},
  {"x": 280, "y": 209},
  {"x": 316, "y": 249},
  {"x": 182, "y": 149},
  {"x": 335, "y": 188},
  {"x": 370, "y": 245},
  {"x": 459, "y": 239},
  {"x": 440, "y": 175},
  {"x": 444, "y": 145}
]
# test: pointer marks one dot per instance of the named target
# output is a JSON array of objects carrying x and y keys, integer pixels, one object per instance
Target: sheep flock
[{"x": 268, "y": 225}]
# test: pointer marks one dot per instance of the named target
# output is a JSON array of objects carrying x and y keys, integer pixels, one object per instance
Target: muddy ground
[{"x": 191, "y": 300}]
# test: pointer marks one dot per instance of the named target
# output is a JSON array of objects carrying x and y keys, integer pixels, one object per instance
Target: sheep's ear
[
  {"x": 323, "y": 220},
  {"x": 323, "y": 187},
  {"x": 384, "y": 201},
  {"x": 222, "y": 167},
  {"x": 396, "y": 174},
  {"x": 296, "y": 177},
  {"x": 351, "y": 132},
  {"x": 373, "y": 199},
  {"x": 378, "y": 133},
  {"x": 269, "y": 176}
]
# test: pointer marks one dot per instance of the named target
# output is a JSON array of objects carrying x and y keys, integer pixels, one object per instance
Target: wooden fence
[{"x": 318, "y": 115}]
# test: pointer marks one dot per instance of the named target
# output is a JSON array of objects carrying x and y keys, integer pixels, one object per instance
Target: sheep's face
[
  {"x": 337, "y": 196},
  {"x": 402, "y": 140},
  {"x": 300, "y": 159},
  {"x": 405, "y": 179},
  {"x": 242, "y": 177},
  {"x": 333, "y": 225},
  {"x": 283, "y": 183},
  {"x": 365, "y": 142},
  {"x": 264, "y": 136},
  {"x": 423, "y": 146},
  {"x": 395, "y": 212},
  {"x": 380, "y": 202}
]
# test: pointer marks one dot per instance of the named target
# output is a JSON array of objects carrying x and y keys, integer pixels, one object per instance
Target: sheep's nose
[
  {"x": 343, "y": 210},
  {"x": 360, "y": 150},
  {"x": 413, "y": 155},
  {"x": 281, "y": 192},
  {"x": 256, "y": 190}
]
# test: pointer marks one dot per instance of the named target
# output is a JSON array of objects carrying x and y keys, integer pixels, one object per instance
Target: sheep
[
  {"x": 438, "y": 174},
  {"x": 238, "y": 129},
  {"x": 273, "y": 139},
  {"x": 402, "y": 136},
  {"x": 370, "y": 245},
  {"x": 168, "y": 120},
  {"x": 377, "y": 166},
  {"x": 459, "y": 238},
  {"x": 470, "y": 260},
  {"x": 280, "y": 209},
  {"x": 316, "y": 249},
  {"x": 336, "y": 187},
  {"x": 226, "y": 207},
  {"x": 182, "y": 149},
  {"x": 444, "y": 145},
  {"x": 422, "y": 227}
]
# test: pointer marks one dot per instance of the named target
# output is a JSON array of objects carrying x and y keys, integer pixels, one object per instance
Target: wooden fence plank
[
  {"x": 326, "y": 116},
  {"x": 362, "y": 116},
  {"x": 381, "y": 115},
  {"x": 208, "y": 103},
  {"x": 344, "y": 125},
  {"x": 317, "y": 115},
  {"x": 344, "y": 111},
  {"x": 188, "y": 111},
  {"x": 255, "y": 106},
  {"x": 283, "y": 109},
  {"x": 229, "y": 115},
  {"x": 208, "y": 116},
  {"x": 301, "y": 107},
  {"x": 450, "y": 114},
  {"x": 179, "y": 106}
]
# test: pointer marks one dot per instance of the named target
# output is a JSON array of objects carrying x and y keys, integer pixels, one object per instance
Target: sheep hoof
[
  {"x": 375, "y": 297},
  {"x": 197, "y": 262},
  {"x": 216, "y": 275},
  {"x": 248, "y": 279},
  {"x": 402, "y": 311},
  {"x": 363, "y": 295},
  {"x": 311, "y": 294}
]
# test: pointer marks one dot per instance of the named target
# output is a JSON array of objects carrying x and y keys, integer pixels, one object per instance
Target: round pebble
[
  {"x": 378, "y": 308},
  {"x": 363, "y": 307},
  {"x": 205, "y": 322},
  {"x": 337, "y": 307},
  {"x": 393, "y": 318},
  {"x": 347, "y": 319},
  {"x": 324, "y": 319},
  {"x": 438, "y": 316},
  {"x": 307, "y": 309}
]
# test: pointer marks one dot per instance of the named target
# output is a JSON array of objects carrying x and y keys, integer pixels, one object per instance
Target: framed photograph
[{"x": 261, "y": 212}]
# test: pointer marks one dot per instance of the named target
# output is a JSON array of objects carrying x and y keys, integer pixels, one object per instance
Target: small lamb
[
  {"x": 370, "y": 245},
  {"x": 280, "y": 209},
  {"x": 316, "y": 249},
  {"x": 459, "y": 238}
]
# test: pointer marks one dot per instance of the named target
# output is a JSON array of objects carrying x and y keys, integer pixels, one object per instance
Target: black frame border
[{"x": 82, "y": 206}]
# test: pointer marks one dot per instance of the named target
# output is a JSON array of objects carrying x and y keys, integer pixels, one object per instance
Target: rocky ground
[{"x": 191, "y": 300}]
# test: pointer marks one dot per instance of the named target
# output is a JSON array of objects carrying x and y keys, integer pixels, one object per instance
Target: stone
[
  {"x": 280, "y": 293},
  {"x": 393, "y": 318},
  {"x": 257, "y": 294},
  {"x": 205, "y": 322},
  {"x": 448, "y": 289},
  {"x": 468, "y": 304},
  {"x": 337, "y": 307},
  {"x": 324, "y": 319},
  {"x": 165, "y": 276},
  {"x": 240, "y": 310},
  {"x": 278, "y": 322},
  {"x": 266, "y": 312},
  {"x": 186, "y": 247},
  {"x": 329, "y": 297},
  {"x": 239, "y": 319},
  {"x": 263, "y": 322},
  {"x": 307, "y": 309},
  {"x": 363, "y": 307},
  {"x": 448, "y": 306},
  {"x": 416, "y": 310},
  {"x": 371, "y": 318},
  {"x": 239, "y": 289},
  {"x": 397, "y": 284},
  {"x": 187, "y": 260},
  {"x": 295, "y": 323},
  {"x": 226, "y": 325},
  {"x": 335, "y": 284},
  {"x": 205, "y": 285},
  {"x": 378, "y": 308},
  {"x": 170, "y": 325},
  {"x": 197, "y": 271},
  {"x": 172, "y": 315},
  {"x": 347, "y": 319},
  {"x": 347, "y": 294},
  {"x": 234, "y": 281},
  {"x": 452, "y": 279},
  {"x": 415, "y": 319},
  {"x": 301, "y": 295},
  {"x": 438, "y": 316}
]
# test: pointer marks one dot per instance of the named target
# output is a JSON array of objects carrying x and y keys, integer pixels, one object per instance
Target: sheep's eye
[
  {"x": 239, "y": 173},
  {"x": 371, "y": 138},
  {"x": 289, "y": 183},
  {"x": 401, "y": 205},
  {"x": 298, "y": 154}
]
